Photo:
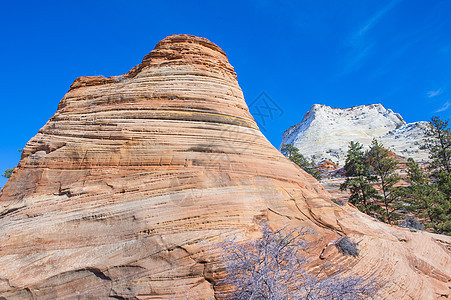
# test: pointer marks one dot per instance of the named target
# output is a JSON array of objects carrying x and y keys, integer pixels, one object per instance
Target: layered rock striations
[
  {"x": 325, "y": 132},
  {"x": 124, "y": 190}
]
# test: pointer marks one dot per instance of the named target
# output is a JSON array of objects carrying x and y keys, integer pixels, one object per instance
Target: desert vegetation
[
  {"x": 367, "y": 170},
  {"x": 346, "y": 246},
  {"x": 293, "y": 154},
  {"x": 8, "y": 173},
  {"x": 276, "y": 266},
  {"x": 372, "y": 181}
]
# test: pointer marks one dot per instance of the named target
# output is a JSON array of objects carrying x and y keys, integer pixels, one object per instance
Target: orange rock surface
[
  {"x": 123, "y": 190},
  {"x": 327, "y": 165}
]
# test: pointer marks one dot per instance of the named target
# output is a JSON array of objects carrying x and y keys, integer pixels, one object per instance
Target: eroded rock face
[
  {"x": 123, "y": 191},
  {"x": 325, "y": 132}
]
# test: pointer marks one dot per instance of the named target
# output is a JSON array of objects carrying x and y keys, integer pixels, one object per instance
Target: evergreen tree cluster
[{"x": 372, "y": 181}]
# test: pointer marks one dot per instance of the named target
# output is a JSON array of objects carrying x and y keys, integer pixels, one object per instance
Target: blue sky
[{"x": 338, "y": 53}]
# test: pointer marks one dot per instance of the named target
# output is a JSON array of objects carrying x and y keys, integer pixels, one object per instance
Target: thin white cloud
[
  {"x": 371, "y": 22},
  {"x": 444, "y": 107},
  {"x": 435, "y": 93},
  {"x": 360, "y": 47},
  {"x": 355, "y": 62}
]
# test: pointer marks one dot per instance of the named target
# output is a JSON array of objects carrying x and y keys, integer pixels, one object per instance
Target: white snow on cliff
[{"x": 325, "y": 132}]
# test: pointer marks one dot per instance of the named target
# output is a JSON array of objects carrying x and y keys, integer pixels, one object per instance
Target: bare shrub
[
  {"x": 274, "y": 266},
  {"x": 346, "y": 246},
  {"x": 338, "y": 201},
  {"x": 412, "y": 223}
]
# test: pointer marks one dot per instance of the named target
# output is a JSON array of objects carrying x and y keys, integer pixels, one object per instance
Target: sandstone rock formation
[
  {"x": 325, "y": 132},
  {"x": 123, "y": 191},
  {"x": 328, "y": 169}
]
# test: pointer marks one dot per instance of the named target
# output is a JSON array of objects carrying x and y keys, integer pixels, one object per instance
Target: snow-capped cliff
[{"x": 325, "y": 132}]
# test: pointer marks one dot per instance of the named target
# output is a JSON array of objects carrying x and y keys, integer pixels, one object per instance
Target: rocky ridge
[
  {"x": 325, "y": 132},
  {"x": 122, "y": 192}
]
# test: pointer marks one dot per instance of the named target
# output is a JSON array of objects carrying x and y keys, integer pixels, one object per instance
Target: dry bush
[
  {"x": 338, "y": 201},
  {"x": 274, "y": 266},
  {"x": 346, "y": 246},
  {"x": 412, "y": 223}
]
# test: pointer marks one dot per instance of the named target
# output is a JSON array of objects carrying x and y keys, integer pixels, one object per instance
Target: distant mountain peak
[{"x": 325, "y": 132}]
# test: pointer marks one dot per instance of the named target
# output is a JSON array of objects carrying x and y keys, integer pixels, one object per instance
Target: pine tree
[
  {"x": 293, "y": 154},
  {"x": 442, "y": 206},
  {"x": 383, "y": 166},
  {"x": 415, "y": 175},
  {"x": 8, "y": 173},
  {"x": 421, "y": 195},
  {"x": 359, "y": 180},
  {"x": 438, "y": 205},
  {"x": 438, "y": 144}
]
